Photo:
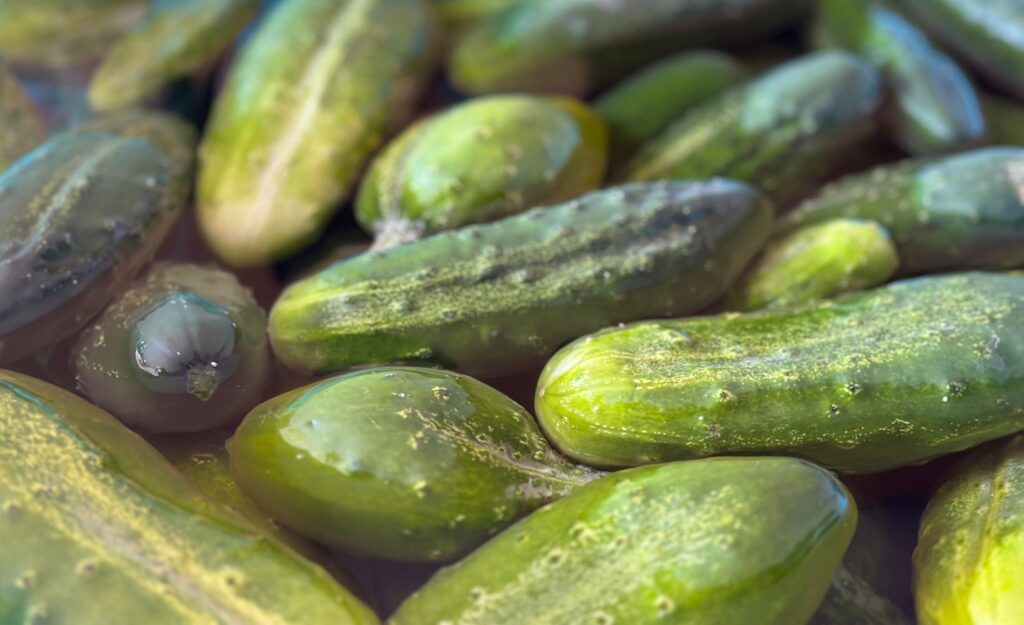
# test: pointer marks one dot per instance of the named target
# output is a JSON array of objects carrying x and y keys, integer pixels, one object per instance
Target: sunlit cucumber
[
  {"x": 498, "y": 298},
  {"x": 21, "y": 124},
  {"x": 866, "y": 382}
]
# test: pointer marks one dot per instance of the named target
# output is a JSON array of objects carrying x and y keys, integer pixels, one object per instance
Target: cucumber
[
  {"x": 936, "y": 106},
  {"x": 399, "y": 463},
  {"x": 986, "y": 34},
  {"x": 496, "y": 299},
  {"x": 782, "y": 132},
  {"x": 959, "y": 212},
  {"x": 63, "y": 33},
  {"x": 642, "y": 107},
  {"x": 177, "y": 40},
  {"x": 969, "y": 560},
  {"x": 80, "y": 215},
  {"x": 817, "y": 262},
  {"x": 480, "y": 161},
  {"x": 717, "y": 542},
  {"x": 182, "y": 349},
  {"x": 352, "y": 72},
  {"x": 571, "y": 47},
  {"x": 97, "y": 528},
  {"x": 1005, "y": 119},
  {"x": 866, "y": 382},
  {"x": 22, "y": 126}
]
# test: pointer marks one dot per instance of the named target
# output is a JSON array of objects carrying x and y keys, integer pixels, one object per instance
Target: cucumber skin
[
  {"x": 866, "y": 382},
  {"x": 495, "y": 299},
  {"x": 961, "y": 212},
  {"x": 781, "y": 132},
  {"x": 22, "y": 126},
  {"x": 1005, "y": 119},
  {"x": 344, "y": 83},
  {"x": 936, "y": 108},
  {"x": 65, "y": 256},
  {"x": 98, "y": 528},
  {"x": 717, "y": 542},
  {"x": 968, "y": 562}
]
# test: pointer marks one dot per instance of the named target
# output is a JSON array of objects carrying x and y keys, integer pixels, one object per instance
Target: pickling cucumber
[
  {"x": 498, "y": 298},
  {"x": 866, "y": 382},
  {"x": 22, "y": 126}
]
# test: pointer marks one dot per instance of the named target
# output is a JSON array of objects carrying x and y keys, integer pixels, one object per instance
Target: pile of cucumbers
[{"x": 277, "y": 278}]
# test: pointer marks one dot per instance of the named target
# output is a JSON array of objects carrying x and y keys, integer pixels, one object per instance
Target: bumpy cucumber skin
[
  {"x": 986, "y": 34},
  {"x": 645, "y": 105},
  {"x": 556, "y": 47},
  {"x": 341, "y": 84},
  {"x": 866, "y": 382},
  {"x": 936, "y": 106},
  {"x": 81, "y": 214},
  {"x": 496, "y": 299},
  {"x": 106, "y": 356},
  {"x": 969, "y": 560},
  {"x": 62, "y": 33},
  {"x": 717, "y": 542},
  {"x": 961, "y": 212},
  {"x": 486, "y": 159},
  {"x": 176, "y": 41},
  {"x": 782, "y": 131},
  {"x": 400, "y": 463},
  {"x": 817, "y": 262},
  {"x": 97, "y": 528},
  {"x": 1005, "y": 119},
  {"x": 22, "y": 126}
]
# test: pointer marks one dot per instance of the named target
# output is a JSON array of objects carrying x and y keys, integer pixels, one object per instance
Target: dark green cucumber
[
  {"x": 969, "y": 560},
  {"x": 567, "y": 47},
  {"x": 80, "y": 215},
  {"x": 499, "y": 298},
  {"x": 96, "y": 528},
  {"x": 960, "y": 212},
  {"x": 717, "y": 542},
  {"x": 1005, "y": 119},
  {"x": 398, "y": 463},
  {"x": 176, "y": 40},
  {"x": 183, "y": 349},
  {"x": 866, "y": 382},
  {"x": 486, "y": 159},
  {"x": 337, "y": 76},
  {"x": 936, "y": 106},
  {"x": 782, "y": 132},
  {"x": 985, "y": 33},
  {"x": 817, "y": 262},
  {"x": 645, "y": 105},
  {"x": 22, "y": 126}
]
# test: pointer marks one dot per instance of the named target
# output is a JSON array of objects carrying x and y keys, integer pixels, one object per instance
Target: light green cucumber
[
  {"x": 495, "y": 299},
  {"x": 313, "y": 93},
  {"x": 718, "y": 542},
  {"x": 22, "y": 126},
  {"x": 866, "y": 382},
  {"x": 97, "y": 528},
  {"x": 480, "y": 161}
]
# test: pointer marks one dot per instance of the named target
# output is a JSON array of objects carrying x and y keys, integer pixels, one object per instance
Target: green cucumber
[
  {"x": 335, "y": 75},
  {"x": 866, "y": 382},
  {"x": 399, "y": 463},
  {"x": 960, "y": 212},
  {"x": 936, "y": 107},
  {"x": 480, "y": 161},
  {"x": 986, "y": 34},
  {"x": 498, "y": 298},
  {"x": 782, "y": 132},
  {"x": 182, "y": 349},
  {"x": 642, "y": 107},
  {"x": 567, "y": 47},
  {"x": 22, "y": 126},
  {"x": 80, "y": 215},
  {"x": 177, "y": 40},
  {"x": 97, "y": 528},
  {"x": 61, "y": 33},
  {"x": 969, "y": 560},
  {"x": 817, "y": 262},
  {"x": 717, "y": 542},
  {"x": 1005, "y": 119}
]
